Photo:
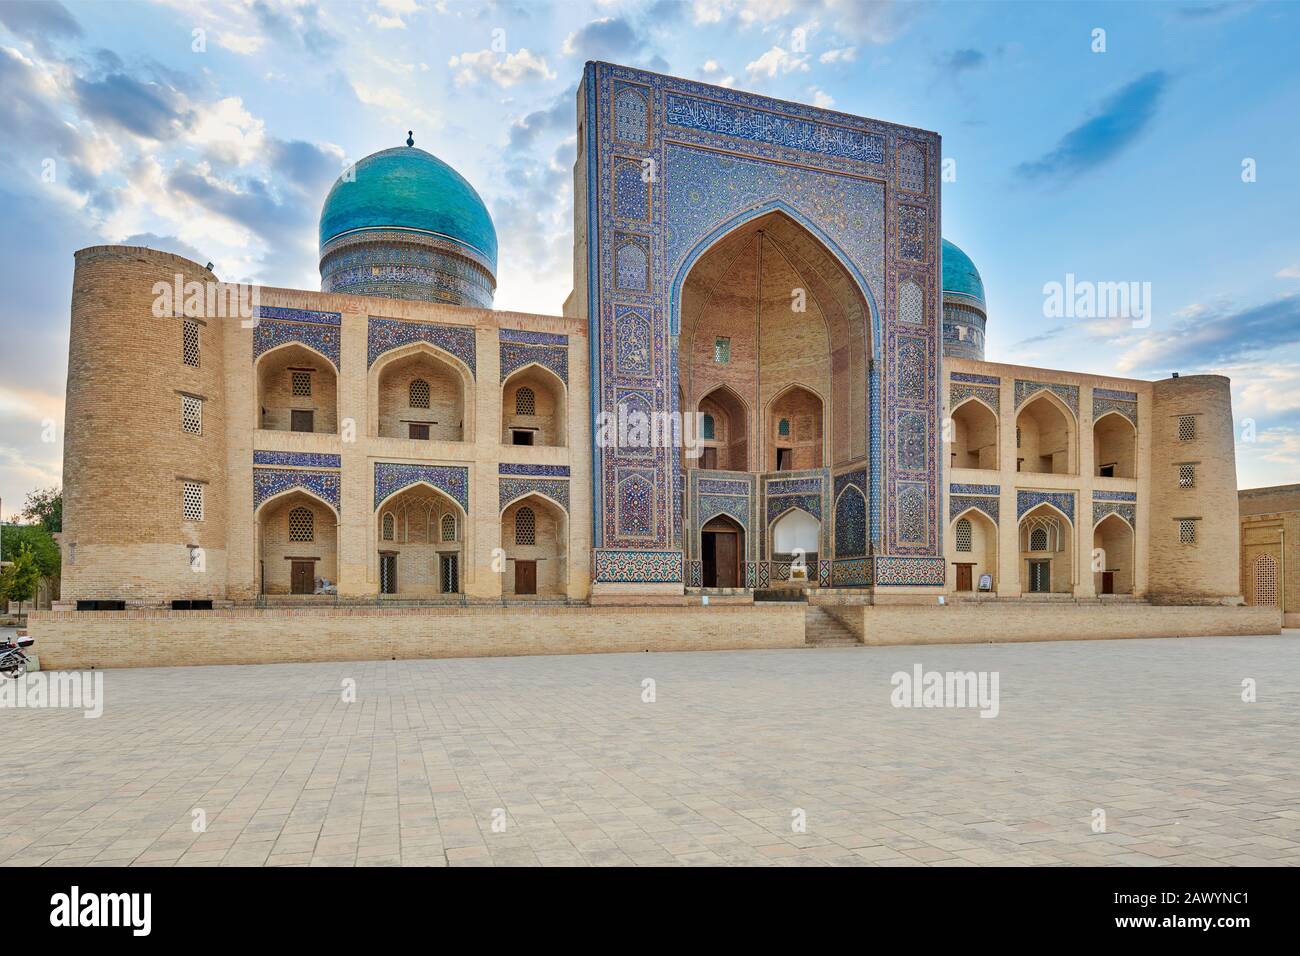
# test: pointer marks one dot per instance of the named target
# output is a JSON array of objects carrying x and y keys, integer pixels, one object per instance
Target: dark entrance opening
[
  {"x": 301, "y": 420},
  {"x": 1108, "y": 582},
  {"x": 1040, "y": 577},
  {"x": 450, "y": 573},
  {"x": 388, "y": 574},
  {"x": 784, "y": 459},
  {"x": 721, "y": 547}
]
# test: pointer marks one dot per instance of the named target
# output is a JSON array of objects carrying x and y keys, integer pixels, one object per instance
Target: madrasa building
[{"x": 391, "y": 467}]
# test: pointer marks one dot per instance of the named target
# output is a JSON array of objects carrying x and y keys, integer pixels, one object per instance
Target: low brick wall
[
  {"x": 1000, "y": 621},
  {"x": 161, "y": 638}
]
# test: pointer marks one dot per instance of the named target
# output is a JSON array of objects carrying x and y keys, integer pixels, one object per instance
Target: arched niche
[{"x": 297, "y": 390}]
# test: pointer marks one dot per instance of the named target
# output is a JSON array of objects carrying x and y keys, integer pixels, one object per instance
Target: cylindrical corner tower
[
  {"x": 964, "y": 312},
  {"x": 144, "y": 442},
  {"x": 1194, "y": 553},
  {"x": 403, "y": 224}
]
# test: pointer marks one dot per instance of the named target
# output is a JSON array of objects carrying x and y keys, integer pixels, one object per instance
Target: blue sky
[{"x": 122, "y": 124}]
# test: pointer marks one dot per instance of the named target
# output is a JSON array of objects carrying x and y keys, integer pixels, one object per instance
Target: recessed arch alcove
[{"x": 764, "y": 310}]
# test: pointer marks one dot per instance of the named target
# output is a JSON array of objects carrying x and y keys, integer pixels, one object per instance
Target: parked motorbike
[{"x": 13, "y": 662}]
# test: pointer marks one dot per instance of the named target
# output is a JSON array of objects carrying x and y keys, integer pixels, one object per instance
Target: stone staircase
[{"x": 822, "y": 630}]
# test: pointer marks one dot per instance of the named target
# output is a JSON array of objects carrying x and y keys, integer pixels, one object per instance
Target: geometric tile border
[{"x": 451, "y": 480}]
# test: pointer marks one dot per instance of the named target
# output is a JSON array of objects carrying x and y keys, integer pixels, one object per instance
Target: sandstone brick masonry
[
  {"x": 1001, "y": 622},
  {"x": 1270, "y": 548},
  {"x": 159, "y": 638}
]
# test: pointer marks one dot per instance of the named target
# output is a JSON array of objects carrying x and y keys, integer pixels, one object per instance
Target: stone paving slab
[{"x": 558, "y": 761}]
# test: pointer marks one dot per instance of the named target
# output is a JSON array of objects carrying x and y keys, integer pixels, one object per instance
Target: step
[{"x": 823, "y": 630}]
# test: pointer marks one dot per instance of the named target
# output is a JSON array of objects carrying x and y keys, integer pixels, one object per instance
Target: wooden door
[
  {"x": 1108, "y": 582},
  {"x": 525, "y": 577},
  {"x": 709, "y": 458},
  {"x": 302, "y": 577},
  {"x": 726, "y": 549},
  {"x": 964, "y": 577},
  {"x": 302, "y": 421}
]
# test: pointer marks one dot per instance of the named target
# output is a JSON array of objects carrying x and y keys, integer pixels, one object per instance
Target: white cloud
[
  {"x": 1290, "y": 272},
  {"x": 821, "y": 98},
  {"x": 228, "y": 132},
  {"x": 777, "y": 62},
  {"x": 714, "y": 73},
  {"x": 397, "y": 106},
  {"x": 844, "y": 54},
  {"x": 486, "y": 65},
  {"x": 245, "y": 44}
]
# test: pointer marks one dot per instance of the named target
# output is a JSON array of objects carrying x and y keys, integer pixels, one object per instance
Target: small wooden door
[
  {"x": 709, "y": 458},
  {"x": 302, "y": 420},
  {"x": 964, "y": 577},
  {"x": 726, "y": 552},
  {"x": 525, "y": 577},
  {"x": 784, "y": 459},
  {"x": 1108, "y": 582},
  {"x": 302, "y": 577}
]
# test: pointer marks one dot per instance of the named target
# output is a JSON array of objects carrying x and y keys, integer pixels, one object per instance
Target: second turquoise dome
[
  {"x": 960, "y": 277},
  {"x": 408, "y": 188}
]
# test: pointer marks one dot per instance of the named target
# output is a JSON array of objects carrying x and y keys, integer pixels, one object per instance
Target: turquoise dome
[
  {"x": 960, "y": 277},
  {"x": 408, "y": 189}
]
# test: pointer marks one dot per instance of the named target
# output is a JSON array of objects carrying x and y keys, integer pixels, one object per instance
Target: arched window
[
  {"x": 525, "y": 401},
  {"x": 525, "y": 526},
  {"x": 388, "y": 526},
  {"x": 783, "y": 428},
  {"x": 1038, "y": 539},
  {"x": 419, "y": 393},
  {"x": 706, "y": 427},
  {"x": 963, "y": 535},
  {"x": 448, "y": 527},
  {"x": 302, "y": 525}
]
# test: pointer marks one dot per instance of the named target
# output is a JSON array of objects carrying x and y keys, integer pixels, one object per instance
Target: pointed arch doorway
[{"x": 722, "y": 549}]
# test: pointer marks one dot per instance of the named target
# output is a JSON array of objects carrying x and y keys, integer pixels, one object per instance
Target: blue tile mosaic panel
[
  {"x": 636, "y": 567},
  {"x": 893, "y": 571},
  {"x": 534, "y": 471},
  {"x": 512, "y": 489},
  {"x": 1069, "y": 394},
  {"x": 318, "y": 331},
  {"x": 1027, "y": 501},
  {"x": 1114, "y": 496},
  {"x": 518, "y": 348},
  {"x": 269, "y": 482},
  {"x": 1100, "y": 509},
  {"x": 297, "y": 459},
  {"x": 384, "y": 335},
  {"x": 392, "y": 477}
]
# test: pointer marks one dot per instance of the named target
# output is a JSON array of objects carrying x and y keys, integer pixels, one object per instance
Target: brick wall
[
  {"x": 154, "y": 638},
  {"x": 996, "y": 622}
]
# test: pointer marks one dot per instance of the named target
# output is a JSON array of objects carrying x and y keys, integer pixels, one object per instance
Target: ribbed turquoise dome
[
  {"x": 960, "y": 277},
  {"x": 407, "y": 188}
]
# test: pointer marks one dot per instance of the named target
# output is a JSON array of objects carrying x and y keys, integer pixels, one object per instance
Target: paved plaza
[{"x": 561, "y": 760}]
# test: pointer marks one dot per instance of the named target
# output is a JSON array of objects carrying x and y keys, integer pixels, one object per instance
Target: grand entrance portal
[{"x": 722, "y": 546}]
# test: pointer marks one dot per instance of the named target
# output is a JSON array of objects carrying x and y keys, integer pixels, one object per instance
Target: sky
[{"x": 1163, "y": 150}]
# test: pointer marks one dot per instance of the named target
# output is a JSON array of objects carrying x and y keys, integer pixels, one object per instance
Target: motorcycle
[{"x": 13, "y": 662}]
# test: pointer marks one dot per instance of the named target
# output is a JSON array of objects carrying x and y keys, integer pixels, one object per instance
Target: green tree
[
  {"x": 45, "y": 506},
  {"x": 18, "y": 580},
  {"x": 44, "y": 548}
]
